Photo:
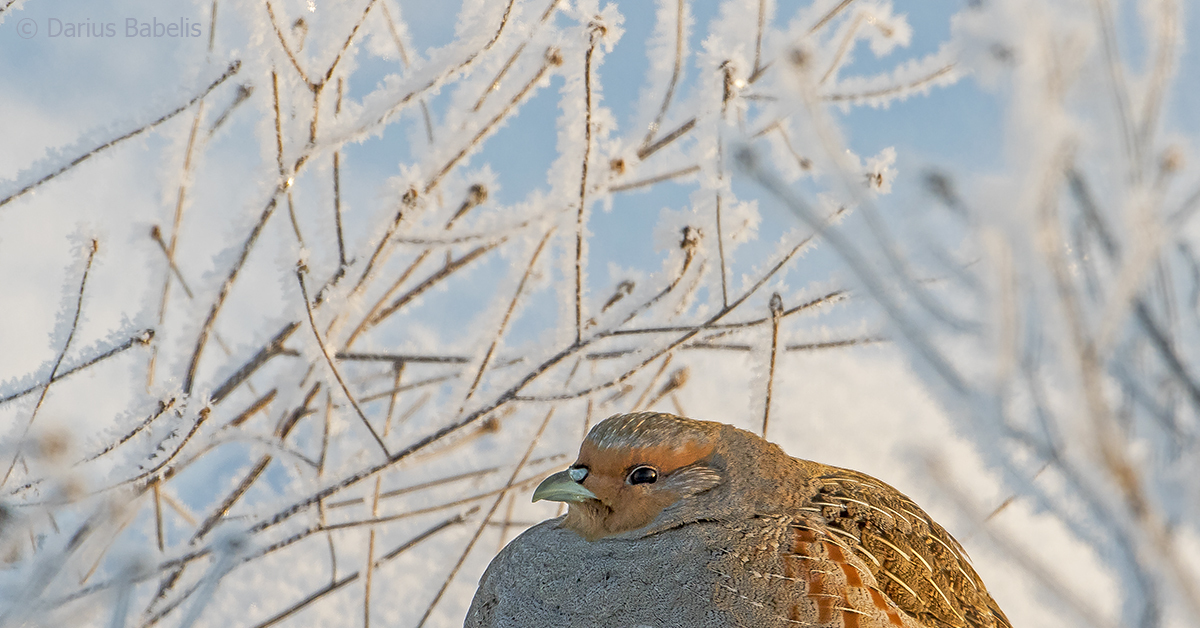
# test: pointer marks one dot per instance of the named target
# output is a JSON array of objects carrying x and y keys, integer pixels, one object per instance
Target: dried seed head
[
  {"x": 1172, "y": 160},
  {"x": 799, "y": 57},
  {"x": 53, "y": 444},
  {"x": 477, "y": 194},
  {"x": 691, "y": 237},
  {"x": 678, "y": 379},
  {"x": 623, "y": 289}
]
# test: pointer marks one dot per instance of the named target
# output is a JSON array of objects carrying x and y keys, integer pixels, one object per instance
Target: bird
[{"x": 675, "y": 522}]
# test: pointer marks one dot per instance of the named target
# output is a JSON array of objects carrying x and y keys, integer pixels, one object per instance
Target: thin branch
[
  {"x": 300, "y": 270},
  {"x": 829, "y": 16},
  {"x": 337, "y": 584},
  {"x": 892, "y": 89},
  {"x": 647, "y": 150},
  {"x": 230, "y": 71},
  {"x": 270, "y": 350},
  {"x": 675, "y": 72},
  {"x": 450, "y": 268},
  {"x": 776, "y": 305},
  {"x": 495, "y": 84},
  {"x": 512, "y": 306},
  {"x": 552, "y": 59},
  {"x": 581, "y": 211},
  {"x": 163, "y": 406},
  {"x": 189, "y": 379},
  {"x": 87, "y": 269},
  {"x": 140, "y": 338},
  {"x": 641, "y": 183},
  {"x": 222, "y": 509}
]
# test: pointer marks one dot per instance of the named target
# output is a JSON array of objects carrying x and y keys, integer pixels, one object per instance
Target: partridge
[{"x": 674, "y": 522}]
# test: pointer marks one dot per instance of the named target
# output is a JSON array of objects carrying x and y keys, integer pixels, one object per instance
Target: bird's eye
[
  {"x": 643, "y": 475},
  {"x": 579, "y": 474}
]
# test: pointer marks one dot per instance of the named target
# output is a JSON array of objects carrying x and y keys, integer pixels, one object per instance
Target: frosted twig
[
  {"x": 688, "y": 244},
  {"x": 215, "y": 516},
  {"x": 1115, "y": 72},
  {"x": 648, "y": 149},
  {"x": 832, "y": 297},
  {"x": 553, "y": 58},
  {"x": 300, "y": 271},
  {"x": 189, "y": 379},
  {"x": 283, "y": 44},
  {"x": 230, "y": 71},
  {"x": 87, "y": 269},
  {"x": 892, "y": 89},
  {"x": 508, "y": 312},
  {"x": 448, "y": 269},
  {"x": 141, "y": 338},
  {"x": 637, "y": 405},
  {"x": 495, "y": 84},
  {"x": 163, "y": 406},
  {"x": 677, "y": 69},
  {"x": 168, "y": 249},
  {"x": 253, "y": 409},
  {"x": 158, "y": 524},
  {"x": 654, "y": 355},
  {"x": 339, "y": 583},
  {"x": 844, "y": 46},
  {"x": 776, "y": 305},
  {"x": 594, "y": 37},
  {"x": 674, "y": 174},
  {"x": 834, "y": 344},
  {"x": 829, "y": 16},
  {"x": 758, "y": 37},
  {"x": 397, "y": 358},
  {"x": 273, "y": 348},
  {"x": 411, "y": 385},
  {"x": 156, "y": 235},
  {"x": 859, "y": 265},
  {"x": 345, "y": 525}
]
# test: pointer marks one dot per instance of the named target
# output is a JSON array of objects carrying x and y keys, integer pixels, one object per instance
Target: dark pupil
[{"x": 643, "y": 475}]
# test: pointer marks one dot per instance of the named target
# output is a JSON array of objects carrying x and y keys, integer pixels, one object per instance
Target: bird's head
[{"x": 647, "y": 468}]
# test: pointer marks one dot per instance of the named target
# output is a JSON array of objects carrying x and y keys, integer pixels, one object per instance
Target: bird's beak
[{"x": 561, "y": 488}]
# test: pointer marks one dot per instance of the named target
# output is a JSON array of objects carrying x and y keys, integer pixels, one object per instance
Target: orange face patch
[{"x": 629, "y": 507}]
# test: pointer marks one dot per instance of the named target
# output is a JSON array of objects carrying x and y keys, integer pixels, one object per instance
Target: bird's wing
[{"x": 914, "y": 561}]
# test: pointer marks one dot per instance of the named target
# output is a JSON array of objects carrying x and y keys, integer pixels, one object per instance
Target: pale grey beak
[{"x": 561, "y": 487}]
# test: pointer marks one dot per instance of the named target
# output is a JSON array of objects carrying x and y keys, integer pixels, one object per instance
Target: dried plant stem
[
  {"x": 87, "y": 268},
  {"x": 891, "y": 90},
  {"x": 829, "y": 16},
  {"x": 581, "y": 210},
  {"x": 300, "y": 271},
  {"x": 776, "y": 313},
  {"x": 230, "y": 71},
  {"x": 141, "y": 338},
  {"x": 508, "y": 312},
  {"x": 677, "y": 69},
  {"x": 339, "y": 583},
  {"x": 667, "y": 176},
  {"x": 237, "y": 493},
  {"x": 637, "y": 405}
]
